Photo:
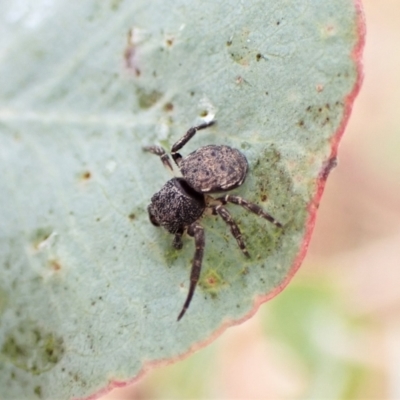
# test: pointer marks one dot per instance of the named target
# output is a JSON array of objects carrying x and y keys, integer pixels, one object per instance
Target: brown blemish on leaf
[
  {"x": 211, "y": 281},
  {"x": 326, "y": 121},
  {"x": 329, "y": 30},
  {"x": 130, "y": 53},
  {"x": 169, "y": 41},
  {"x": 86, "y": 175},
  {"x": 55, "y": 265},
  {"x": 168, "y": 107},
  {"x": 131, "y": 216}
]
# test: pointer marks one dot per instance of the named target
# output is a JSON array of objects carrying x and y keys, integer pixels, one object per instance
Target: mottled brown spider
[{"x": 182, "y": 201}]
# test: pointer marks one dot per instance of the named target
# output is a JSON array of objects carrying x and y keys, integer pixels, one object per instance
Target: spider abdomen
[{"x": 212, "y": 168}]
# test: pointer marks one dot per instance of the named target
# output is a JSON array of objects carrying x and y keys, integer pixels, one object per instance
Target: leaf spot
[
  {"x": 55, "y": 265},
  {"x": 168, "y": 107},
  {"x": 86, "y": 175}
]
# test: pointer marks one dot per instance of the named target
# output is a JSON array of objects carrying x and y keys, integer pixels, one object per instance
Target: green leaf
[{"x": 89, "y": 289}]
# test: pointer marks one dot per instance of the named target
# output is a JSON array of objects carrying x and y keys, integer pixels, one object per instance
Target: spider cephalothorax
[{"x": 181, "y": 202}]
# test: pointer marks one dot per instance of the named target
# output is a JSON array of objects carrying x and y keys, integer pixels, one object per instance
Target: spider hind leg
[
  {"x": 252, "y": 207},
  {"x": 226, "y": 216}
]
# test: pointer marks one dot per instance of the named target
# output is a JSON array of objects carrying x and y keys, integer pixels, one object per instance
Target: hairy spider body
[
  {"x": 181, "y": 202},
  {"x": 213, "y": 169},
  {"x": 176, "y": 206}
]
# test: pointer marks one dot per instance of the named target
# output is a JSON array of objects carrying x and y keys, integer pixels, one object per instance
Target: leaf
[{"x": 90, "y": 290}]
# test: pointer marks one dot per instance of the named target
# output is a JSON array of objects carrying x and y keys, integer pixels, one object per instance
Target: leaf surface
[{"x": 89, "y": 289}]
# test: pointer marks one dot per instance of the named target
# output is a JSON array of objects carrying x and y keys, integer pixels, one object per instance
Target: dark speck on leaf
[{"x": 86, "y": 175}]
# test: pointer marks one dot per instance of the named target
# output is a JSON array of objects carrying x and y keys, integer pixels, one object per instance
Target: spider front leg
[
  {"x": 254, "y": 208},
  {"x": 226, "y": 216},
  {"x": 159, "y": 151},
  {"x": 185, "y": 138},
  {"x": 197, "y": 232}
]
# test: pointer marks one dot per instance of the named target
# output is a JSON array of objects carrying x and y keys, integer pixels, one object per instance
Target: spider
[{"x": 182, "y": 201}]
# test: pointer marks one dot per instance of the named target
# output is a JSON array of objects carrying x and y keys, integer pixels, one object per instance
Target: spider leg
[
  {"x": 254, "y": 208},
  {"x": 185, "y": 138},
  {"x": 177, "y": 243},
  {"x": 195, "y": 230},
  {"x": 159, "y": 151},
  {"x": 226, "y": 216}
]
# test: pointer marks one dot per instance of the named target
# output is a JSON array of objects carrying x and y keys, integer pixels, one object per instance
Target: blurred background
[{"x": 334, "y": 332}]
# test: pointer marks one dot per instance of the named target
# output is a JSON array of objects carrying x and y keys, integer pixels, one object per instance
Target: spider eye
[{"x": 152, "y": 217}]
